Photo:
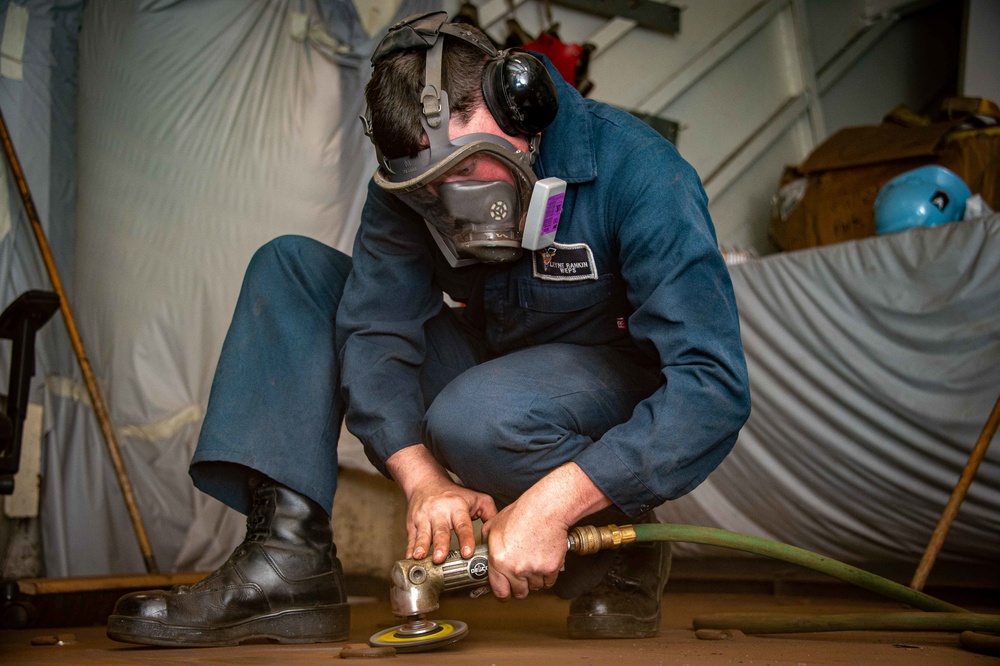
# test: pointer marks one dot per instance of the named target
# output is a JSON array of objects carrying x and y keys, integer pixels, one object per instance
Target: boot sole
[
  {"x": 612, "y": 626},
  {"x": 314, "y": 625}
]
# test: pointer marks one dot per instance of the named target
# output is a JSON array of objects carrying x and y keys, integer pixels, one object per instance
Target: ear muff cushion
[{"x": 520, "y": 93}]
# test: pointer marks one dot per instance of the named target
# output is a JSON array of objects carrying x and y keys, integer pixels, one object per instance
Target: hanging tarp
[
  {"x": 205, "y": 129},
  {"x": 873, "y": 366}
]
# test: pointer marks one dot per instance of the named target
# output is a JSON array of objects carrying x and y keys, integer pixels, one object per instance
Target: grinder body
[{"x": 417, "y": 584}]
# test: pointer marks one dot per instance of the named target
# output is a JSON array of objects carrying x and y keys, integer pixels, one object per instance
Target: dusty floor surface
[{"x": 533, "y": 632}]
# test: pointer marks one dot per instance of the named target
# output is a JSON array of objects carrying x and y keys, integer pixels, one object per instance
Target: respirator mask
[{"x": 477, "y": 193}]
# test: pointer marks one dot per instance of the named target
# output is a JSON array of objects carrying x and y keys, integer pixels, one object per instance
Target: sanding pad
[{"x": 430, "y": 636}]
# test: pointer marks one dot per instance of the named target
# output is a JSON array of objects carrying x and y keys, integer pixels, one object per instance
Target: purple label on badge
[{"x": 553, "y": 209}]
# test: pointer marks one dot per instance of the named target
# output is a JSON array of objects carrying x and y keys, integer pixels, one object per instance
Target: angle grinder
[{"x": 416, "y": 587}]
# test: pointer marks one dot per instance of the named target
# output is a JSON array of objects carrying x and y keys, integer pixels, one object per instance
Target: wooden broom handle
[{"x": 957, "y": 495}]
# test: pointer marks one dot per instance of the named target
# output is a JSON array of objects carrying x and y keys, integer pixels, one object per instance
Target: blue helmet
[{"x": 924, "y": 197}]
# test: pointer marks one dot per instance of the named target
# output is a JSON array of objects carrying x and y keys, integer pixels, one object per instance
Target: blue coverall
[{"x": 617, "y": 348}]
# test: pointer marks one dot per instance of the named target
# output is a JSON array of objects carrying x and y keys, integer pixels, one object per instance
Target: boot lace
[
  {"x": 257, "y": 519},
  {"x": 256, "y": 533}
]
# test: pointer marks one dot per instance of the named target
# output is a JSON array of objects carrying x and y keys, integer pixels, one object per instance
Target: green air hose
[
  {"x": 941, "y": 615},
  {"x": 715, "y": 537}
]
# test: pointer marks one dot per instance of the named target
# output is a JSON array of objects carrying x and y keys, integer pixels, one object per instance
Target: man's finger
[
  {"x": 466, "y": 535},
  {"x": 518, "y": 587},
  {"x": 486, "y": 508},
  {"x": 535, "y": 583},
  {"x": 421, "y": 544},
  {"x": 441, "y": 542},
  {"x": 499, "y": 584}
]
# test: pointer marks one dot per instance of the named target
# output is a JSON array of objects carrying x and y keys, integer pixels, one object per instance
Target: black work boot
[
  {"x": 626, "y": 603},
  {"x": 283, "y": 584}
]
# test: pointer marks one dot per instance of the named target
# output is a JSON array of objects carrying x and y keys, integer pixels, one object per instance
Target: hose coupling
[{"x": 588, "y": 539}]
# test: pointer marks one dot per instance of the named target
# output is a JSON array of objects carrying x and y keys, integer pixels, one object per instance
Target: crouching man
[{"x": 586, "y": 367}]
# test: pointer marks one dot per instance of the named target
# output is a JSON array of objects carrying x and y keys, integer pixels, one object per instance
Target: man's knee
[
  {"x": 499, "y": 438},
  {"x": 502, "y": 425},
  {"x": 297, "y": 255},
  {"x": 299, "y": 260},
  {"x": 458, "y": 425}
]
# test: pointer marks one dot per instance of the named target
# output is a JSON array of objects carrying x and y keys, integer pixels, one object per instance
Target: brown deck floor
[{"x": 533, "y": 632}]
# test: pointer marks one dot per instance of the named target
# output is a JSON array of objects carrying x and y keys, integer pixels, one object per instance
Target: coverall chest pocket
[{"x": 573, "y": 312}]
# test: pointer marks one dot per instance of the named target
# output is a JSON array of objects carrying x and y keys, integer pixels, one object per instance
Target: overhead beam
[
  {"x": 609, "y": 33},
  {"x": 492, "y": 11},
  {"x": 658, "y": 16},
  {"x": 711, "y": 56},
  {"x": 740, "y": 159},
  {"x": 807, "y": 72},
  {"x": 831, "y": 71}
]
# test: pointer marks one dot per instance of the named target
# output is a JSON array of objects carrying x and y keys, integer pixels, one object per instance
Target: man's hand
[
  {"x": 526, "y": 553},
  {"x": 527, "y": 540},
  {"x": 436, "y": 505}
]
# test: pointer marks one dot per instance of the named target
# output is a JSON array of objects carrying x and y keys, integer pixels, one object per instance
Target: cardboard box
[{"x": 829, "y": 197}]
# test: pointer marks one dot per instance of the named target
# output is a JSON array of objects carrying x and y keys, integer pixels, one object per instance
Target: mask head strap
[
  {"x": 424, "y": 32},
  {"x": 431, "y": 95}
]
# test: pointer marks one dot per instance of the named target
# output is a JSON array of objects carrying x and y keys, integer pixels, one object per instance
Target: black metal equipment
[{"x": 18, "y": 323}]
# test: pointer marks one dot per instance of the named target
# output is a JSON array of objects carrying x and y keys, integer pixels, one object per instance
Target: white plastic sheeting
[
  {"x": 873, "y": 367},
  {"x": 205, "y": 129}
]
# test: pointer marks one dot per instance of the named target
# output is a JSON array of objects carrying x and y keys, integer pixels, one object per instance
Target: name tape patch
[{"x": 564, "y": 263}]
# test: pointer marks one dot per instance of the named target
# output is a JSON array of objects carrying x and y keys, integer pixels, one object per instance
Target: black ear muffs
[
  {"x": 520, "y": 93},
  {"x": 517, "y": 89}
]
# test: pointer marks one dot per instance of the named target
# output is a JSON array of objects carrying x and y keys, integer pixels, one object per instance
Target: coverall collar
[{"x": 567, "y": 149}]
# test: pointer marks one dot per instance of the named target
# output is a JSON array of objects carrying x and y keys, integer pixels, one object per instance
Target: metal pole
[
  {"x": 957, "y": 495},
  {"x": 74, "y": 337}
]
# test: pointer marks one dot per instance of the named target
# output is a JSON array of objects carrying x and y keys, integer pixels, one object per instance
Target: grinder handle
[{"x": 458, "y": 572}]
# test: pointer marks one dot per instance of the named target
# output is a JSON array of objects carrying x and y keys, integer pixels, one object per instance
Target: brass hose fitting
[{"x": 588, "y": 539}]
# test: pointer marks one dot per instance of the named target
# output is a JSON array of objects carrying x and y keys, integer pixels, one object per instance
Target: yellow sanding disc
[{"x": 445, "y": 633}]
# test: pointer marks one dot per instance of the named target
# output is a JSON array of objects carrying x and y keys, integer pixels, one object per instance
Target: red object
[{"x": 565, "y": 57}]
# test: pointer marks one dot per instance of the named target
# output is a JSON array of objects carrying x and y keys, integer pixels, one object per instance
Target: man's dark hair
[{"x": 393, "y": 93}]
